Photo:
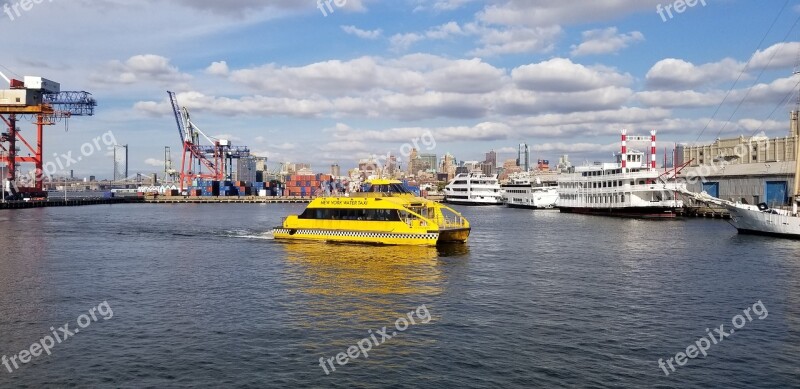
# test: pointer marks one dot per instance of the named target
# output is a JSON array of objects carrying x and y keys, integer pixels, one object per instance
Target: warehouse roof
[{"x": 743, "y": 169}]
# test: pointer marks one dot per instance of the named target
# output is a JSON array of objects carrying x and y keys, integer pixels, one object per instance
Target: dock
[
  {"x": 64, "y": 203},
  {"x": 705, "y": 212},
  {"x": 227, "y": 200}
]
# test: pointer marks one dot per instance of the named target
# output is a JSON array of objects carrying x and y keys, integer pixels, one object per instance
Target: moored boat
[
  {"x": 629, "y": 187},
  {"x": 474, "y": 189},
  {"x": 530, "y": 192}
]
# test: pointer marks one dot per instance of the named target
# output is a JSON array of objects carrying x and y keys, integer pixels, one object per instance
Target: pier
[
  {"x": 705, "y": 212},
  {"x": 227, "y": 200},
  {"x": 64, "y": 203}
]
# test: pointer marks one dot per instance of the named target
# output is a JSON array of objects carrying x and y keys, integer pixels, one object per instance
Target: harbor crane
[
  {"x": 216, "y": 159},
  {"x": 43, "y": 102}
]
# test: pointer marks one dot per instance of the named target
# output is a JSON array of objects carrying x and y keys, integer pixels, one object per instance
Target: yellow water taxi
[{"x": 387, "y": 213}]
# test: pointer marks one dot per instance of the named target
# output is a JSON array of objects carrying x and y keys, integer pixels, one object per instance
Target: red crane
[
  {"x": 43, "y": 101},
  {"x": 217, "y": 159}
]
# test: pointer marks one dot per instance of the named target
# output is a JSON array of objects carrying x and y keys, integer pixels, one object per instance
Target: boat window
[
  {"x": 350, "y": 214},
  {"x": 389, "y": 188}
]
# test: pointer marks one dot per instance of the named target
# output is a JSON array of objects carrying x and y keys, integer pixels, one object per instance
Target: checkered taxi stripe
[{"x": 358, "y": 234}]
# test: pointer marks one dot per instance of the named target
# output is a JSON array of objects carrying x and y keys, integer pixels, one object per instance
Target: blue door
[
  {"x": 776, "y": 193},
  {"x": 712, "y": 188}
]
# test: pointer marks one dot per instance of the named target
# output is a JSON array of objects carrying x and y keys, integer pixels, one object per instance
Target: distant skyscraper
[
  {"x": 491, "y": 158},
  {"x": 429, "y": 162},
  {"x": 488, "y": 169},
  {"x": 336, "y": 170},
  {"x": 449, "y": 166},
  {"x": 524, "y": 157},
  {"x": 413, "y": 161}
]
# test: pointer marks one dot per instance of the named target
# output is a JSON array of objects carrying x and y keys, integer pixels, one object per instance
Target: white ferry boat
[
  {"x": 629, "y": 187},
  {"x": 474, "y": 189},
  {"x": 530, "y": 191}
]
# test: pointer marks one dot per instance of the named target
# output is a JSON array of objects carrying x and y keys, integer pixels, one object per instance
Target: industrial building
[{"x": 750, "y": 170}]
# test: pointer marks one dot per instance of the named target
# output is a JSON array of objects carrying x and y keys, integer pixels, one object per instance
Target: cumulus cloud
[
  {"x": 562, "y": 75},
  {"x": 777, "y": 56},
  {"x": 607, "y": 41},
  {"x": 218, "y": 69},
  {"x": 678, "y": 74},
  {"x": 145, "y": 68},
  {"x": 402, "y": 42},
  {"x": 363, "y": 34},
  {"x": 514, "y": 40},
  {"x": 552, "y": 12}
]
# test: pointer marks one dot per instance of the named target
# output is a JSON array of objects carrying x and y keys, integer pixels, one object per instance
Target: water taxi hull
[
  {"x": 459, "y": 235},
  {"x": 373, "y": 237}
]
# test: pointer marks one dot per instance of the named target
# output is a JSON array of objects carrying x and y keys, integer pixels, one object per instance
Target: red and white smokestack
[
  {"x": 624, "y": 149},
  {"x": 653, "y": 149}
]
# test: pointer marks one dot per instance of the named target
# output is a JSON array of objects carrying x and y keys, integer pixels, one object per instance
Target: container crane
[
  {"x": 217, "y": 159},
  {"x": 45, "y": 102}
]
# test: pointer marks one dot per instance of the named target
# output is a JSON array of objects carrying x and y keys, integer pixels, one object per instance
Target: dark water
[{"x": 203, "y": 297}]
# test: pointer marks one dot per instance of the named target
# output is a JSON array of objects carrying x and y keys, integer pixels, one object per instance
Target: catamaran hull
[
  {"x": 373, "y": 237},
  {"x": 628, "y": 212},
  {"x": 459, "y": 235}
]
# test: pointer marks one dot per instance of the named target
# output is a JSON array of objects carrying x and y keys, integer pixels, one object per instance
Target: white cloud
[
  {"x": 402, "y": 42},
  {"x": 533, "y": 13},
  {"x": 363, "y": 34},
  {"x": 562, "y": 75},
  {"x": 140, "y": 69},
  {"x": 607, "y": 41},
  {"x": 514, "y": 40},
  {"x": 677, "y": 74},
  {"x": 218, "y": 69},
  {"x": 777, "y": 56}
]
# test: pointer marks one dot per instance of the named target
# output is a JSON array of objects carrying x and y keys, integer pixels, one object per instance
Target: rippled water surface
[{"x": 203, "y": 297}]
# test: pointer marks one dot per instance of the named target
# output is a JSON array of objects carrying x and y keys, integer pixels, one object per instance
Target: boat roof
[
  {"x": 383, "y": 181},
  {"x": 377, "y": 202}
]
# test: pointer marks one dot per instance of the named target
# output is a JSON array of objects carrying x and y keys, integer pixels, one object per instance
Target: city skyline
[{"x": 476, "y": 75}]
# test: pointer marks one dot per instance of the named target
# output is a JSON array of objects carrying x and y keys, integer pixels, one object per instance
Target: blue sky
[{"x": 294, "y": 85}]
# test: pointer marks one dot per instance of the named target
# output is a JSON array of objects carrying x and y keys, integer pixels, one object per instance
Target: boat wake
[{"x": 249, "y": 234}]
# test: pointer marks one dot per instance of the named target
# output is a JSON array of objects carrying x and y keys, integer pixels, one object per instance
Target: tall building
[
  {"x": 390, "y": 166},
  {"x": 491, "y": 158},
  {"x": 429, "y": 162},
  {"x": 524, "y": 157},
  {"x": 449, "y": 166},
  {"x": 413, "y": 161},
  {"x": 368, "y": 167},
  {"x": 488, "y": 169},
  {"x": 564, "y": 165},
  {"x": 336, "y": 170}
]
